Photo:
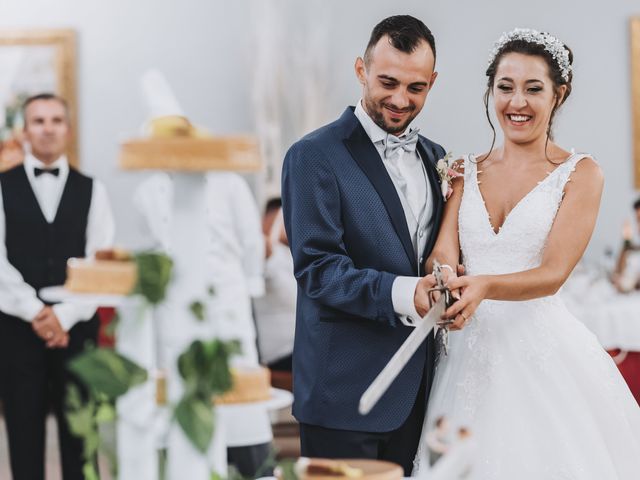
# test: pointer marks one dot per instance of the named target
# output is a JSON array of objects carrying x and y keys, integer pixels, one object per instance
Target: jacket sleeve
[{"x": 312, "y": 213}]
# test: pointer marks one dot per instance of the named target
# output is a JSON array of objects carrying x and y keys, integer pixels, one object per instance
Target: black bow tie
[{"x": 39, "y": 171}]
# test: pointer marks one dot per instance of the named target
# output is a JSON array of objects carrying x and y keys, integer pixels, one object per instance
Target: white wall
[{"x": 204, "y": 48}]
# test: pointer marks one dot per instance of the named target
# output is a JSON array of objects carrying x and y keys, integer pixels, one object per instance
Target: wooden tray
[
  {"x": 234, "y": 153},
  {"x": 372, "y": 470}
]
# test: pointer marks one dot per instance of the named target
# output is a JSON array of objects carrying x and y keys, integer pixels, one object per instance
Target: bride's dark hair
[{"x": 534, "y": 49}]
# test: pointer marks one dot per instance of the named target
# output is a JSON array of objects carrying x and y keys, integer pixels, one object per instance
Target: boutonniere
[{"x": 447, "y": 172}]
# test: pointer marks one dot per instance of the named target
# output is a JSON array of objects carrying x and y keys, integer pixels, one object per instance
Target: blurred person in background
[
  {"x": 276, "y": 310},
  {"x": 626, "y": 276},
  {"x": 49, "y": 212}
]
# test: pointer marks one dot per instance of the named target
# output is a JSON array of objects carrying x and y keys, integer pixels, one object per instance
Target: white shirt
[
  {"x": 232, "y": 245},
  {"x": 234, "y": 259},
  {"x": 17, "y": 297},
  {"x": 236, "y": 247},
  {"x": 403, "y": 288}
]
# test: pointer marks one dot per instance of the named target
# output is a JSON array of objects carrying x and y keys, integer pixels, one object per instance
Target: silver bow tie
[{"x": 407, "y": 143}]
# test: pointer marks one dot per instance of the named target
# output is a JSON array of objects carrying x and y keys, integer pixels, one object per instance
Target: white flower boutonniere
[{"x": 447, "y": 173}]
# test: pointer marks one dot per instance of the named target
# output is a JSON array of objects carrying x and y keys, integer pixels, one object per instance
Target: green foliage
[
  {"x": 154, "y": 274},
  {"x": 106, "y": 372},
  {"x": 80, "y": 417},
  {"x": 198, "y": 310},
  {"x": 287, "y": 469},
  {"x": 110, "y": 330},
  {"x": 234, "y": 474},
  {"x": 204, "y": 367},
  {"x": 106, "y": 413},
  {"x": 89, "y": 471},
  {"x": 107, "y": 375},
  {"x": 195, "y": 416},
  {"x": 83, "y": 416}
]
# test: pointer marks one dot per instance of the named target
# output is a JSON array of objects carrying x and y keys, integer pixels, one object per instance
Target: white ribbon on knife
[{"x": 389, "y": 373}]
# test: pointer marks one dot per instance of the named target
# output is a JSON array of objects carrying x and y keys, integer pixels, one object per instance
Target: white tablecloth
[{"x": 613, "y": 317}]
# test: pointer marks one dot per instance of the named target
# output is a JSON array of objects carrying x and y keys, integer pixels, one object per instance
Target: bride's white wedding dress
[{"x": 542, "y": 399}]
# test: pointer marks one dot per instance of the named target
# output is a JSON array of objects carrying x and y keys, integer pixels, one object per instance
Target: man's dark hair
[
  {"x": 45, "y": 96},
  {"x": 272, "y": 204},
  {"x": 405, "y": 34},
  {"x": 636, "y": 204}
]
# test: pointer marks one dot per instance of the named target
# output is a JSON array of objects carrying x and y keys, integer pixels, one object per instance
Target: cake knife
[{"x": 402, "y": 356}]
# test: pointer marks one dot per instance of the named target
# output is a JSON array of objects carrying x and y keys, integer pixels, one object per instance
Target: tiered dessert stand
[{"x": 154, "y": 338}]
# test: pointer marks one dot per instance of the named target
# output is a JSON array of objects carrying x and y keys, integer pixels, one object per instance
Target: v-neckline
[{"x": 518, "y": 203}]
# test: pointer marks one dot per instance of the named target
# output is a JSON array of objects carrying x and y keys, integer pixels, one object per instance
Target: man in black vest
[{"x": 49, "y": 212}]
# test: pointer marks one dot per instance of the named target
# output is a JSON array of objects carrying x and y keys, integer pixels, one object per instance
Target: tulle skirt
[{"x": 540, "y": 396}]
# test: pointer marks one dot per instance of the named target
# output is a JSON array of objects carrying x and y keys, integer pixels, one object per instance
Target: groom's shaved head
[{"x": 405, "y": 34}]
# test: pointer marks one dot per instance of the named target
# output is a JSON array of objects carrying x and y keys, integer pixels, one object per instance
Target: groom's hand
[{"x": 421, "y": 295}]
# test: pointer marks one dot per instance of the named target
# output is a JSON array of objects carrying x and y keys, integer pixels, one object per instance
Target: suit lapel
[
  {"x": 428, "y": 156},
  {"x": 367, "y": 157}
]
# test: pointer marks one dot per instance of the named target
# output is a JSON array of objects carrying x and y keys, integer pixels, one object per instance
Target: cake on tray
[
  {"x": 250, "y": 384},
  {"x": 327, "y": 469},
  {"x": 111, "y": 272}
]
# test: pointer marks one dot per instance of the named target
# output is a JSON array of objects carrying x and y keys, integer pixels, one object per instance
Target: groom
[{"x": 362, "y": 206}]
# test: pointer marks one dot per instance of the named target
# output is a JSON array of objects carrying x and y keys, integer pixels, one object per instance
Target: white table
[
  {"x": 143, "y": 426},
  {"x": 612, "y": 316}
]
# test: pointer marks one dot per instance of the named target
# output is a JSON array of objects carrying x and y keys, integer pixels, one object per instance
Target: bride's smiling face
[{"x": 524, "y": 97}]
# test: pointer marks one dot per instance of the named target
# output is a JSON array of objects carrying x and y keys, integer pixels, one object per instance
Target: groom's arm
[{"x": 312, "y": 216}]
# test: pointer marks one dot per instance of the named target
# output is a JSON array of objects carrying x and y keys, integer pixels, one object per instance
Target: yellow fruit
[{"x": 170, "y": 126}]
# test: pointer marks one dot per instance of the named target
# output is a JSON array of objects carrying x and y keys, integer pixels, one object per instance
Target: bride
[{"x": 542, "y": 399}]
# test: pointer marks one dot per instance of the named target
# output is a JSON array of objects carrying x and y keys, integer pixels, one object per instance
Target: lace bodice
[{"x": 520, "y": 242}]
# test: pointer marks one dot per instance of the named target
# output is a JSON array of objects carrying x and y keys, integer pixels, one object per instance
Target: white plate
[
  {"x": 61, "y": 294},
  {"x": 279, "y": 399}
]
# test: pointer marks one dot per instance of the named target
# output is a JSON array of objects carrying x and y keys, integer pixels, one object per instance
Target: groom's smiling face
[{"x": 395, "y": 84}]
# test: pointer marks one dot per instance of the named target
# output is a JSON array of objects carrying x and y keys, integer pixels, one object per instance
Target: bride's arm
[
  {"x": 567, "y": 241},
  {"x": 447, "y": 247}
]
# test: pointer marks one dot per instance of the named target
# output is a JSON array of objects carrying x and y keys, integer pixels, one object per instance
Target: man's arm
[
  {"x": 100, "y": 235},
  {"x": 17, "y": 297},
  {"x": 323, "y": 269}
]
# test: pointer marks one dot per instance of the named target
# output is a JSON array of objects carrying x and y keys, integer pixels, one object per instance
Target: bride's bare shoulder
[{"x": 587, "y": 173}]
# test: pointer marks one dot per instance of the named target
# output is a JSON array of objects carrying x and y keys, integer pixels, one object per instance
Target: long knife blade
[{"x": 402, "y": 356}]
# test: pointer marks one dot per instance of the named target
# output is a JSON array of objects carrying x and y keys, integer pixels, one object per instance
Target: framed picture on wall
[
  {"x": 32, "y": 62},
  {"x": 635, "y": 101}
]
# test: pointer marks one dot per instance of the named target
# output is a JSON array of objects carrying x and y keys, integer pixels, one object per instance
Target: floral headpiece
[{"x": 550, "y": 43}]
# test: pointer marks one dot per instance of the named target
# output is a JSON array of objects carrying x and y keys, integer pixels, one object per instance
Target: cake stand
[
  {"x": 235, "y": 415},
  {"x": 154, "y": 338},
  {"x": 61, "y": 294},
  {"x": 175, "y": 210}
]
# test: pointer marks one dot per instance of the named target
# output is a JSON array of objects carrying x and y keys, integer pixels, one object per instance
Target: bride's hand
[
  {"x": 474, "y": 290},
  {"x": 449, "y": 274}
]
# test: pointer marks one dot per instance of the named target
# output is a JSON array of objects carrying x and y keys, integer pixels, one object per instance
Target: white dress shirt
[
  {"x": 17, "y": 297},
  {"x": 406, "y": 168}
]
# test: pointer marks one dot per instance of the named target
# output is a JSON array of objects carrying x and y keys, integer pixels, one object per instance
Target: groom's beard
[{"x": 375, "y": 112}]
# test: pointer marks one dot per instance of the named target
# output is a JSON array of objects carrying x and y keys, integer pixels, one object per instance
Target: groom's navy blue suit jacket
[{"x": 349, "y": 241}]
